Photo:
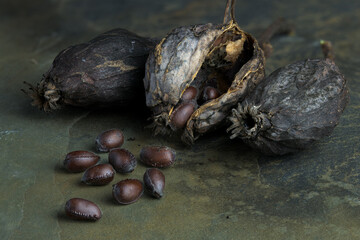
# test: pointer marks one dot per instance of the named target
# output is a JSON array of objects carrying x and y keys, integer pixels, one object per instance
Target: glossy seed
[
  {"x": 182, "y": 114},
  {"x": 154, "y": 181},
  {"x": 122, "y": 160},
  {"x": 109, "y": 139},
  {"x": 79, "y": 161},
  {"x": 157, "y": 156},
  {"x": 189, "y": 94},
  {"x": 101, "y": 174},
  {"x": 127, "y": 191},
  {"x": 210, "y": 93},
  {"x": 82, "y": 209}
]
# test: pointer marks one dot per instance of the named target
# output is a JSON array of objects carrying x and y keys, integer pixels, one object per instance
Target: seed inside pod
[
  {"x": 79, "y": 161},
  {"x": 101, "y": 174},
  {"x": 157, "y": 156},
  {"x": 109, "y": 139},
  {"x": 210, "y": 93},
  {"x": 122, "y": 160},
  {"x": 154, "y": 181},
  {"x": 82, "y": 209},
  {"x": 127, "y": 191},
  {"x": 189, "y": 94},
  {"x": 181, "y": 115}
]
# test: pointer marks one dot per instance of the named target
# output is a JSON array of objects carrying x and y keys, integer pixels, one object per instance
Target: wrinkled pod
[
  {"x": 292, "y": 108},
  {"x": 104, "y": 72},
  {"x": 221, "y": 56}
]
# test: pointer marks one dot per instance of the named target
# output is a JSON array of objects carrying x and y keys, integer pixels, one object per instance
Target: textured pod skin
[
  {"x": 82, "y": 209},
  {"x": 106, "y": 71},
  {"x": 79, "y": 161},
  {"x": 98, "y": 175},
  {"x": 191, "y": 56},
  {"x": 107, "y": 140},
  {"x": 154, "y": 181},
  {"x": 122, "y": 160},
  {"x": 127, "y": 191},
  {"x": 157, "y": 156},
  {"x": 292, "y": 108}
]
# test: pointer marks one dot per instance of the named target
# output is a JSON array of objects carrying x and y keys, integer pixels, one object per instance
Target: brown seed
[
  {"x": 157, "y": 156},
  {"x": 101, "y": 174},
  {"x": 182, "y": 114},
  {"x": 210, "y": 93},
  {"x": 79, "y": 161},
  {"x": 122, "y": 160},
  {"x": 189, "y": 94},
  {"x": 127, "y": 191},
  {"x": 82, "y": 209},
  {"x": 154, "y": 181},
  {"x": 109, "y": 139}
]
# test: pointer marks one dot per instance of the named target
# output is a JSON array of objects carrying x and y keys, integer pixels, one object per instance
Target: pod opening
[
  {"x": 248, "y": 121},
  {"x": 228, "y": 54}
]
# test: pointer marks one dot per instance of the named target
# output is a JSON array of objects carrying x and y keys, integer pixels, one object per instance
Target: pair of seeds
[
  {"x": 188, "y": 104},
  {"x": 121, "y": 160}
]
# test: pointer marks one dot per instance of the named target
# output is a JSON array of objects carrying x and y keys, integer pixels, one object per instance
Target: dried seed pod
[
  {"x": 97, "y": 175},
  {"x": 122, "y": 160},
  {"x": 127, "y": 191},
  {"x": 106, "y": 71},
  {"x": 79, "y": 161},
  {"x": 109, "y": 139},
  {"x": 154, "y": 181},
  {"x": 82, "y": 209},
  {"x": 157, "y": 156},
  {"x": 193, "y": 56},
  {"x": 293, "y": 107}
]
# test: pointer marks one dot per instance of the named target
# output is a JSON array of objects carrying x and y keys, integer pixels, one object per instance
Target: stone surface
[{"x": 218, "y": 189}]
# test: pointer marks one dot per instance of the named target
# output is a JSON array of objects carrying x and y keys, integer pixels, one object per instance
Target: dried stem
[
  {"x": 229, "y": 15},
  {"x": 327, "y": 49},
  {"x": 278, "y": 27}
]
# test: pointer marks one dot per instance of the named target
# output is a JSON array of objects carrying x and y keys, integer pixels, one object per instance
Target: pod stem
[
  {"x": 247, "y": 121},
  {"x": 279, "y": 27},
  {"x": 229, "y": 15},
  {"x": 327, "y": 49}
]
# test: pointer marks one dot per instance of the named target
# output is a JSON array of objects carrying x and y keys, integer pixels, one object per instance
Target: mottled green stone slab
[{"x": 218, "y": 189}]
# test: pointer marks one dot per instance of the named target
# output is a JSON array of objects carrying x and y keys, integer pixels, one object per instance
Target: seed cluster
[{"x": 122, "y": 161}]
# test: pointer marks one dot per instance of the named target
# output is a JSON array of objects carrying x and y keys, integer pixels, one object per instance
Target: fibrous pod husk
[
  {"x": 106, "y": 71},
  {"x": 292, "y": 108},
  {"x": 221, "y": 56}
]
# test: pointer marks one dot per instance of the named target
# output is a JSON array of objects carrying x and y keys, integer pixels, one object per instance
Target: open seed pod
[
  {"x": 106, "y": 71},
  {"x": 194, "y": 57},
  {"x": 292, "y": 108}
]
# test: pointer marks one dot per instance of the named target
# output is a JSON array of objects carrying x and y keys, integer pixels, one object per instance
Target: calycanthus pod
[
  {"x": 293, "y": 107},
  {"x": 220, "y": 56},
  {"x": 106, "y": 71}
]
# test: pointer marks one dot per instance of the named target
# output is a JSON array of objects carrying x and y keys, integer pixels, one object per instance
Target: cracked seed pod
[
  {"x": 106, "y": 71},
  {"x": 292, "y": 108},
  {"x": 221, "y": 56}
]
